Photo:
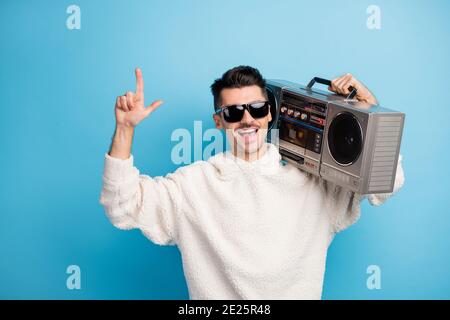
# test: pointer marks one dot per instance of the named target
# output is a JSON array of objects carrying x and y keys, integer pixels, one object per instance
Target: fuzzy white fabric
[{"x": 246, "y": 230}]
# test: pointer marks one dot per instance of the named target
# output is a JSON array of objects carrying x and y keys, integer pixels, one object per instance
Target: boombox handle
[{"x": 352, "y": 90}]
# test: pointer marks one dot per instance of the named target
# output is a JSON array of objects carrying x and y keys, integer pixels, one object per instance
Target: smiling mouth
[
  {"x": 246, "y": 135},
  {"x": 247, "y": 132}
]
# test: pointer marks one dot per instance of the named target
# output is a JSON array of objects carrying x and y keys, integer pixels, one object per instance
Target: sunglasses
[{"x": 235, "y": 113}]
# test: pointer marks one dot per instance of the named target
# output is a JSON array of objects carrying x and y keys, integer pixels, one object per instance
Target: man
[{"x": 247, "y": 225}]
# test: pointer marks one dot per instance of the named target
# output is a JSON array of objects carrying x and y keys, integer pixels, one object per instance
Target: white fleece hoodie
[{"x": 245, "y": 230}]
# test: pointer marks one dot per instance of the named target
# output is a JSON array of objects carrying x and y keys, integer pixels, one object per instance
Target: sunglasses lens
[
  {"x": 259, "y": 109},
  {"x": 233, "y": 113}
]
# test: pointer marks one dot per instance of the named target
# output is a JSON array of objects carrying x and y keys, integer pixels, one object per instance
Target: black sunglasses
[{"x": 235, "y": 113}]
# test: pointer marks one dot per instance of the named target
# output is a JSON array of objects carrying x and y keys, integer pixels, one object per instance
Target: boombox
[{"x": 353, "y": 144}]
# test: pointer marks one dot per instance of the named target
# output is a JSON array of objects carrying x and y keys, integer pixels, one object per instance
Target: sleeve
[
  {"x": 343, "y": 205},
  {"x": 379, "y": 198},
  {"x": 137, "y": 201}
]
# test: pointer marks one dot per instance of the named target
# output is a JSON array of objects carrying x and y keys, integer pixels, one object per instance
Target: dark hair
[{"x": 237, "y": 77}]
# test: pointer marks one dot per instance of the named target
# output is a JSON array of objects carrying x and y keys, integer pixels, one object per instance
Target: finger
[
  {"x": 118, "y": 103},
  {"x": 139, "y": 82},
  {"x": 130, "y": 100},
  {"x": 356, "y": 84},
  {"x": 153, "y": 106},
  {"x": 334, "y": 84},
  {"x": 123, "y": 100},
  {"x": 341, "y": 81},
  {"x": 346, "y": 85},
  {"x": 338, "y": 84}
]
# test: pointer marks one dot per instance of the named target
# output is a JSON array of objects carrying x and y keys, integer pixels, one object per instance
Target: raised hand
[{"x": 130, "y": 108}]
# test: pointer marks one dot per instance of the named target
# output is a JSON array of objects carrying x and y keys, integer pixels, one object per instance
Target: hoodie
[{"x": 245, "y": 230}]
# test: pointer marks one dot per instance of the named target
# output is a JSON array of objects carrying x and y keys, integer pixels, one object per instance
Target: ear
[
  {"x": 270, "y": 116},
  {"x": 217, "y": 121}
]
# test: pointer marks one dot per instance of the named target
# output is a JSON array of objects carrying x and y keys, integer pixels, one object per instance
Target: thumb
[{"x": 152, "y": 107}]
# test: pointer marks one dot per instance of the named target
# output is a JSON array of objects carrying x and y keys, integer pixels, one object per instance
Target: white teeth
[{"x": 246, "y": 131}]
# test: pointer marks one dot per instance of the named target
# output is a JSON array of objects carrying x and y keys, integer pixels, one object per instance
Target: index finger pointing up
[{"x": 139, "y": 82}]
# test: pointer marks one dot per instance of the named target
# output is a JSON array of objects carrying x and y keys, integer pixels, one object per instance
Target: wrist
[
  {"x": 121, "y": 142},
  {"x": 372, "y": 100},
  {"x": 124, "y": 130},
  {"x": 368, "y": 99}
]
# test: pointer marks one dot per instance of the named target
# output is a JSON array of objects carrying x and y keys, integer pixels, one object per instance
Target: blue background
[{"x": 58, "y": 88}]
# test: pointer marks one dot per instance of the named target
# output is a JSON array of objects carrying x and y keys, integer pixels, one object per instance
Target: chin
[
  {"x": 242, "y": 146},
  {"x": 250, "y": 148}
]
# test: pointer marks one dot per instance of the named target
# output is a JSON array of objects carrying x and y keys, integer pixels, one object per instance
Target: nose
[{"x": 247, "y": 118}]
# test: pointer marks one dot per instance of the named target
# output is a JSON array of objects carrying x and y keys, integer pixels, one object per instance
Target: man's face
[{"x": 248, "y": 135}]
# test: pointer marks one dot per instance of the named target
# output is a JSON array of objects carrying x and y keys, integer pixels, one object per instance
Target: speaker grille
[{"x": 387, "y": 141}]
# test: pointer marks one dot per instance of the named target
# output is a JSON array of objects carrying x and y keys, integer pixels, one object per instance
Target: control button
[
  {"x": 296, "y": 114},
  {"x": 304, "y": 116},
  {"x": 283, "y": 109},
  {"x": 290, "y": 111}
]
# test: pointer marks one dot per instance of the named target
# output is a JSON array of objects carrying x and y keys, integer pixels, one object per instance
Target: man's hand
[
  {"x": 130, "y": 111},
  {"x": 130, "y": 108},
  {"x": 341, "y": 86}
]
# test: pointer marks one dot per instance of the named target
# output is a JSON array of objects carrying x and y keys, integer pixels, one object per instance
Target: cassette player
[{"x": 353, "y": 144}]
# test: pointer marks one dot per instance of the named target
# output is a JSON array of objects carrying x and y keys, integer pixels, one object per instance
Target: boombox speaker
[{"x": 353, "y": 144}]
